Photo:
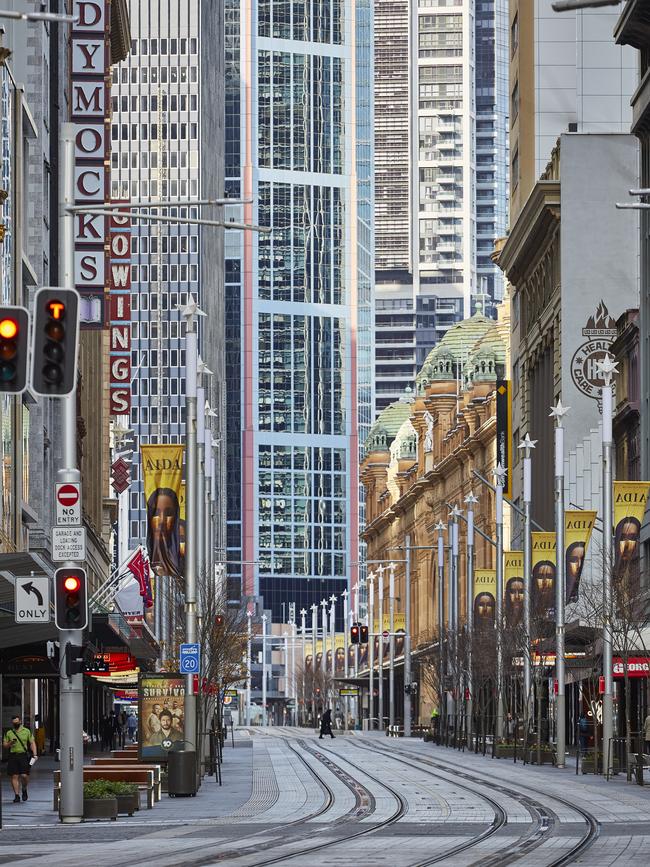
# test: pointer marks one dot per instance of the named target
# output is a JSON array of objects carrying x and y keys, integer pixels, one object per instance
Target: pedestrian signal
[
  {"x": 355, "y": 634},
  {"x": 14, "y": 345},
  {"x": 363, "y": 637},
  {"x": 70, "y": 599},
  {"x": 55, "y": 342}
]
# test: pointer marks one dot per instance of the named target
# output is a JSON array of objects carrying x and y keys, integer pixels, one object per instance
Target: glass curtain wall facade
[
  {"x": 435, "y": 267},
  {"x": 299, "y": 144}
]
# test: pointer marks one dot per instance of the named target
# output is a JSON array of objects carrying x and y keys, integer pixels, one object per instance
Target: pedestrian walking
[
  {"x": 326, "y": 724},
  {"x": 22, "y": 755},
  {"x": 646, "y": 733},
  {"x": 583, "y": 731},
  {"x": 132, "y": 726}
]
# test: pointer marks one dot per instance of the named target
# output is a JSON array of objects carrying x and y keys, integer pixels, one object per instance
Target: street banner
[
  {"x": 400, "y": 629},
  {"x": 578, "y": 525},
  {"x": 485, "y": 597},
  {"x": 504, "y": 432},
  {"x": 513, "y": 575},
  {"x": 544, "y": 564},
  {"x": 163, "y": 472},
  {"x": 161, "y": 713},
  {"x": 630, "y": 500}
]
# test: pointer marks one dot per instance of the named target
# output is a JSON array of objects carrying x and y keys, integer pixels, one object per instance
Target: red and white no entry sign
[{"x": 67, "y": 495}]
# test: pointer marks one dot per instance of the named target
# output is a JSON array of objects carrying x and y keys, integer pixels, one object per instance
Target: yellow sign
[
  {"x": 485, "y": 596},
  {"x": 578, "y": 525},
  {"x": 162, "y": 468},
  {"x": 513, "y": 576},
  {"x": 544, "y": 564},
  {"x": 630, "y": 500}
]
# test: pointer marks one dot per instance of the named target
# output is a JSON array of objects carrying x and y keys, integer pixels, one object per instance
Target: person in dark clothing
[{"x": 326, "y": 724}]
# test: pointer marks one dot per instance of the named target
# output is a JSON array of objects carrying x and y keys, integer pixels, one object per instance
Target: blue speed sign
[{"x": 190, "y": 661}]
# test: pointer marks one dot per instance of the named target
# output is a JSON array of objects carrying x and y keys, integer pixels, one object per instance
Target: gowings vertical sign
[
  {"x": 504, "y": 431},
  {"x": 89, "y": 112},
  {"x": 120, "y": 313}
]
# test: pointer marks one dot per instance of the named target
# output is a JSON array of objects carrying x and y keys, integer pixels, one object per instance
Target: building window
[
  {"x": 514, "y": 102},
  {"x": 514, "y": 36},
  {"x": 514, "y": 169}
]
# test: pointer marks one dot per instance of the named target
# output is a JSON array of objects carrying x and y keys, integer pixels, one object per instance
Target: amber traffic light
[
  {"x": 363, "y": 637},
  {"x": 14, "y": 349},
  {"x": 55, "y": 341}
]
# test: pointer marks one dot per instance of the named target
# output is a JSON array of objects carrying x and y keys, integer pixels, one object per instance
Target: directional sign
[
  {"x": 32, "y": 597},
  {"x": 68, "y": 544},
  {"x": 349, "y": 690},
  {"x": 68, "y": 504},
  {"x": 190, "y": 659}
]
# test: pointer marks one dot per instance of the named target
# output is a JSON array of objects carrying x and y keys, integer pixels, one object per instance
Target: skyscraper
[
  {"x": 299, "y": 355},
  {"x": 441, "y": 106}
]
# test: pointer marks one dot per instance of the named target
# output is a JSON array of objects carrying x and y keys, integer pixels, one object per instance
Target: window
[
  {"x": 514, "y": 102},
  {"x": 514, "y": 36},
  {"x": 514, "y": 170}
]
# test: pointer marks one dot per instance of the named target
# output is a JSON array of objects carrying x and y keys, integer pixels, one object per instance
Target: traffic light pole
[
  {"x": 191, "y": 535},
  {"x": 407, "y": 640},
  {"x": 70, "y": 688}
]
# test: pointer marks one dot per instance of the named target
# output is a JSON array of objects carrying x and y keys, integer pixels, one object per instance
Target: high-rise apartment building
[
  {"x": 167, "y": 144},
  {"x": 299, "y": 301},
  {"x": 441, "y": 107}
]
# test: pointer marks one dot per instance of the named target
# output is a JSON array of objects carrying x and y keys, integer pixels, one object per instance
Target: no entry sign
[{"x": 68, "y": 504}]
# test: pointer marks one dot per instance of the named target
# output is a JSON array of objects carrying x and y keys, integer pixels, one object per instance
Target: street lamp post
[
  {"x": 333, "y": 638},
  {"x": 371, "y": 650},
  {"x": 314, "y": 633},
  {"x": 303, "y": 633},
  {"x": 265, "y": 719},
  {"x": 557, "y": 413},
  {"x": 249, "y": 665},
  {"x": 323, "y": 659},
  {"x": 527, "y": 445},
  {"x": 607, "y": 369},
  {"x": 499, "y": 475},
  {"x": 407, "y": 638},
  {"x": 391, "y": 645},
  {"x": 440, "y": 528},
  {"x": 380, "y": 665},
  {"x": 470, "y": 502},
  {"x": 346, "y": 632}
]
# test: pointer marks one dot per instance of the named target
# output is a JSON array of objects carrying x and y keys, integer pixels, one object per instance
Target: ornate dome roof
[{"x": 388, "y": 422}]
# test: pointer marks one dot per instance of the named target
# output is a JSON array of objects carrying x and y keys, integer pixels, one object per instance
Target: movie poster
[
  {"x": 485, "y": 597},
  {"x": 162, "y": 467},
  {"x": 629, "y": 507},
  {"x": 578, "y": 525},
  {"x": 513, "y": 575},
  {"x": 544, "y": 566},
  {"x": 161, "y": 714}
]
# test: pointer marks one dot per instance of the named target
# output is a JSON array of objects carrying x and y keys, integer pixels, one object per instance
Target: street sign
[
  {"x": 68, "y": 544},
  {"x": 349, "y": 690},
  {"x": 32, "y": 597},
  {"x": 190, "y": 659},
  {"x": 231, "y": 692},
  {"x": 68, "y": 504}
]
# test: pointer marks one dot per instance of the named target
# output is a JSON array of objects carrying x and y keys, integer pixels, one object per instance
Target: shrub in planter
[
  {"x": 99, "y": 800},
  {"x": 547, "y": 756},
  {"x": 128, "y": 797}
]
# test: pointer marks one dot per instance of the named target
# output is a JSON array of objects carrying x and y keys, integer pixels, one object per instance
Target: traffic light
[
  {"x": 354, "y": 634},
  {"x": 55, "y": 342},
  {"x": 70, "y": 599},
  {"x": 74, "y": 659},
  {"x": 363, "y": 638},
  {"x": 14, "y": 344},
  {"x": 219, "y": 621}
]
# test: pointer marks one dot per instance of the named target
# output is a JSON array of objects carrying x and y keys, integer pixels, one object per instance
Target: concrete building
[
  {"x": 441, "y": 107},
  {"x": 299, "y": 353}
]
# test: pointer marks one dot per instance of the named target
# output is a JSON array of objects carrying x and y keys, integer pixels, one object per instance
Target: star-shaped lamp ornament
[
  {"x": 440, "y": 527},
  {"x": 527, "y": 444},
  {"x": 190, "y": 310},
  {"x": 607, "y": 367},
  {"x": 499, "y": 474},
  {"x": 558, "y": 412},
  {"x": 202, "y": 368},
  {"x": 456, "y": 512},
  {"x": 332, "y": 599},
  {"x": 470, "y": 500},
  {"x": 303, "y": 612}
]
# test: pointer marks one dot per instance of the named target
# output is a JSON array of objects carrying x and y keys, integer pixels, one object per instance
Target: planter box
[
  {"x": 587, "y": 765},
  {"x": 506, "y": 752},
  {"x": 100, "y": 808},
  {"x": 128, "y": 804},
  {"x": 547, "y": 757}
]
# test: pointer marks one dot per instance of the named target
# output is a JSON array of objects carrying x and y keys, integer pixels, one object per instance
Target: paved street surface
[{"x": 290, "y": 798}]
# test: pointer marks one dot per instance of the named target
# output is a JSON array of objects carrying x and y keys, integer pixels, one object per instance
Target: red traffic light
[
  {"x": 219, "y": 620},
  {"x": 354, "y": 634},
  {"x": 72, "y": 583},
  {"x": 71, "y": 598},
  {"x": 14, "y": 334}
]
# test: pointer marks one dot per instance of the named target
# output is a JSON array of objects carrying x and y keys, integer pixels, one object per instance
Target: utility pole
[
  {"x": 70, "y": 688},
  {"x": 470, "y": 502},
  {"x": 499, "y": 475},
  {"x": 249, "y": 665},
  {"x": 557, "y": 413},
  {"x": 527, "y": 445},
  {"x": 201, "y": 458},
  {"x": 380, "y": 667},
  {"x": 346, "y": 646},
  {"x": 333, "y": 637},
  {"x": 314, "y": 631},
  {"x": 323, "y": 659},
  {"x": 440, "y": 527},
  {"x": 607, "y": 368},
  {"x": 451, "y": 615},
  {"x": 407, "y": 638},
  {"x": 391, "y": 645},
  {"x": 371, "y": 650},
  {"x": 265, "y": 718}
]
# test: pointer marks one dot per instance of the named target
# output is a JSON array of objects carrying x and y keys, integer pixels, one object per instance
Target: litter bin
[{"x": 181, "y": 773}]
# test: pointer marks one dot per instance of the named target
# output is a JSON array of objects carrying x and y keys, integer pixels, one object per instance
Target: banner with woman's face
[
  {"x": 578, "y": 525},
  {"x": 630, "y": 500},
  {"x": 513, "y": 575},
  {"x": 544, "y": 565},
  {"x": 485, "y": 596},
  {"x": 162, "y": 467}
]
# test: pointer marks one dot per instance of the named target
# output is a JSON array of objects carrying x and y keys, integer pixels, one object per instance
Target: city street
[{"x": 288, "y": 797}]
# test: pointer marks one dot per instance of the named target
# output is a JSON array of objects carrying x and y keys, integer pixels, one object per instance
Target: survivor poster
[
  {"x": 163, "y": 472},
  {"x": 161, "y": 714}
]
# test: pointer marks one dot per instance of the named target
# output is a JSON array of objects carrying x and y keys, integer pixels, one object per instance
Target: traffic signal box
[
  {"x": 364, "y": 635},
  {"x": 355, "y": 634},
  {"x": 55, "y": 342},
  {"x": 14, "y": 349},
  {"x": 70, "y": 599}
]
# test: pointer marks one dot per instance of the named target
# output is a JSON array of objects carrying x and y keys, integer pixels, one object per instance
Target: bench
[
  {"x": 124, "y": 754},
  {"x": 131, "y": 764},
  {"x": 144, "y": 779}
]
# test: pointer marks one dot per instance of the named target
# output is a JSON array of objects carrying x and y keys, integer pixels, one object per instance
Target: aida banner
[
  {"x": 400, "y": 630},
  {"x": 630, "y": 500},
  {"x": 513, "y": 575},
  {"x": 162, "y": 467},
  {"x": 578, "y": 525},
  {"x": 485, "y": 597},
  {"x": 544, "y": 565}
]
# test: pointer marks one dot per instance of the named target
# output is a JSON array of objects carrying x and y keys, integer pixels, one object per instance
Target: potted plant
[
  {"x": 99, "y": 800},
  {"x": 587, "y": 763},
  {"x": 505, "y": 750},
  {"x": 128, "y": 797},
  {"x": 546, "y": 755}
]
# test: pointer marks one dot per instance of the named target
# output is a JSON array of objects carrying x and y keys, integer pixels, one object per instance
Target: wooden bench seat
[
  {"x": 131, "y": 764},
  {"x": 143, "y": 778}
]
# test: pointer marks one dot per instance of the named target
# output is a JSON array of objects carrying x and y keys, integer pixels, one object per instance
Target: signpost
[
  {"x": 68, "y": 504},
  {"x": 190, "y": 659},
  {"x": 32, "y": 598},
  {"x": 68, "y": 544}
]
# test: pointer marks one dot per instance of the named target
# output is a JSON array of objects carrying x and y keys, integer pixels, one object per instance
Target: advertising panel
[
  {"x": 485, "y": 597},
  {"x": 513, "y": 576},
  {"x": 544, "y": 565},
  {"x": 577, "y": 533},
  {"x": 630, "y": 500},
  {"x": 163, "y": 470},
  {"x": 161, "y": 714}
]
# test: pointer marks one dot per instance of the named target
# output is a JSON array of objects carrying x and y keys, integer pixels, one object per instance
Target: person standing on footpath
[
  {"x": 22, "y": 754},
  {"x": 646, "y": 732},
  {"x": 326, "y": 724}
]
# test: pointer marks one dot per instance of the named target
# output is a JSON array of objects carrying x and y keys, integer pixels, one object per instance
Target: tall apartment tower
[
  {"x": 441, "y": 106},
  {"x": 167, "y": 144},
  {"x": 299, "y": 301}
]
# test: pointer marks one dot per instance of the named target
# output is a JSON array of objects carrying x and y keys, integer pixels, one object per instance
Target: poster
[
  {"x": 161, "y": 714},
  {"x": 544, "y": 565},
  {"x": 578, "y": 525},
  {"x": 485, "y": 597},
  {"x": 162, "y": 467},
  {"x": 400, "y": 630},
  {"x": 513, "y": 576},
  {"x": 629, "y": 507}
]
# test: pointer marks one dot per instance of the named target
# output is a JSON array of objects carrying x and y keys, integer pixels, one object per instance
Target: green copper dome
[
  {"x": 388, "y": 422},
  {"x": 450, "y": 358}
]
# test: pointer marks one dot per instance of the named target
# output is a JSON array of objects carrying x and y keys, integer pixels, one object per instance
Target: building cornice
[
  {"x": 633, "y": 26},
  {"x": 120, "y": 31}
]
